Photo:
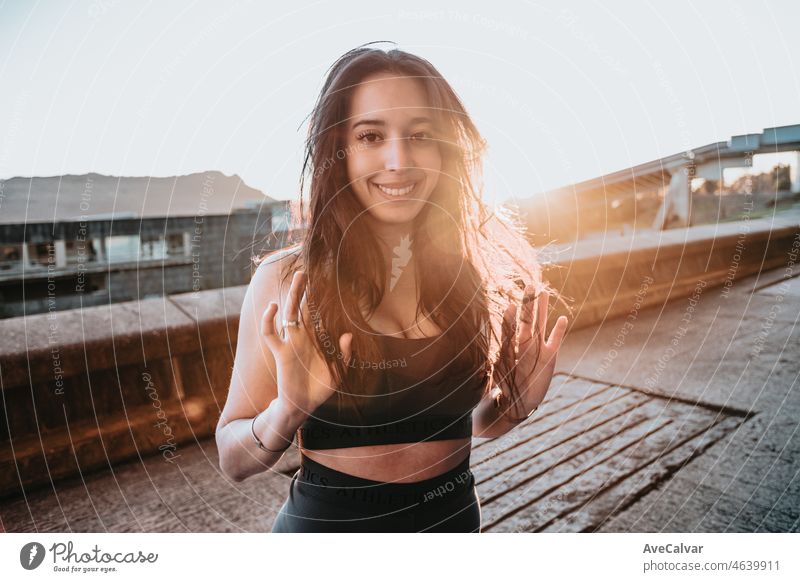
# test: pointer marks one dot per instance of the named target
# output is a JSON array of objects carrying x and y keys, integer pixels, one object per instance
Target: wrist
[
  {"x": 516, "y": 421},
  {"x": 506, "y": 412},
  {"x": 283, "y": 423},
  {"x": 294, "y": 414},
  {"x": 260, "y": 444}
]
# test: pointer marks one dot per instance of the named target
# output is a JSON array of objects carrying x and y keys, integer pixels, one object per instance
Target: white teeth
[{"x": 396, "y": 191}]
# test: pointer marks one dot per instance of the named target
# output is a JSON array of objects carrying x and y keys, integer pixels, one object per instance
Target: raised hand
[
  {"x": 533, "y": 375},
  {"x": 304, "y": 379}
]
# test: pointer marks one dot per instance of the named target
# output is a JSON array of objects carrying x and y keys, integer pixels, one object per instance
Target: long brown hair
[{"x": 471, "y": 262}]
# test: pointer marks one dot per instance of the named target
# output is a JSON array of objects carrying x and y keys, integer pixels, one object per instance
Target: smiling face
[{"x": 393, "y": 156}]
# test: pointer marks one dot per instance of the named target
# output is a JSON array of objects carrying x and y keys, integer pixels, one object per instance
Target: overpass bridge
[{"x": 659, "y": 194}]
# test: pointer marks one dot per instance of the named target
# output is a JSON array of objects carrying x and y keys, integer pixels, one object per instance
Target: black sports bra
[{"x": 422, "y": 392}]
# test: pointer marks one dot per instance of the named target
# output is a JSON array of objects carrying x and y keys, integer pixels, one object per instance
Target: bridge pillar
[{"x": 676, "y": 207}]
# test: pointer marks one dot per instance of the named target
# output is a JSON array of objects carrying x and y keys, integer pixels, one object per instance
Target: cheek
[
  {"x": 432, "y": 162},
  {"x": 359, "y": 167}
]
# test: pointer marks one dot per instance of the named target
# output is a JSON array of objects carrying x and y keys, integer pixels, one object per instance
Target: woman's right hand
[{"x": 304, "y": 379}]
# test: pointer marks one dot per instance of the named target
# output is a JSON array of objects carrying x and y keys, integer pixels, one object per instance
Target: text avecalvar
[{"x": 672, "y": 549}]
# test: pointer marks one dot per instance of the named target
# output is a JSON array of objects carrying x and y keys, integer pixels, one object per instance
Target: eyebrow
[{"x": 381, "y": 122}]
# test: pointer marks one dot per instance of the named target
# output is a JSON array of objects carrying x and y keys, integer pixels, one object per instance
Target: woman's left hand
[{"x": 533, "y": 374}]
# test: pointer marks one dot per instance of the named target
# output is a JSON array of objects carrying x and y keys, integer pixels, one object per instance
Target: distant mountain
[{"x": 95, "y": 195}]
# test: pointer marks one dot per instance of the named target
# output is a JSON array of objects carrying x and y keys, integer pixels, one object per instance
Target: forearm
[
  {"x": 488, "y": 421},
  {"x": 239, "y": 455}
]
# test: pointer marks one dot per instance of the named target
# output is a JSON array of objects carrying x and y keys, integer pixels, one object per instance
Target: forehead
[{"x": 390, "y": 97}]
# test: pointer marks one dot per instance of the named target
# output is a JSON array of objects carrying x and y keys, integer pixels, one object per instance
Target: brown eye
[{"x": 365, "y": 135}]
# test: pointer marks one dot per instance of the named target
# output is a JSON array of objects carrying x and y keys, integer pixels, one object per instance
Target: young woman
[{"x": 397, "y": 338}]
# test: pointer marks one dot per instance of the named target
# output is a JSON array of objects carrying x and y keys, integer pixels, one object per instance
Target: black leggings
[{"x": 324, "y": 500}]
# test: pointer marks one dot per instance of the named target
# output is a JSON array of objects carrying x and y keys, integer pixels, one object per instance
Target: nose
[{"x": 398, "y": 154}]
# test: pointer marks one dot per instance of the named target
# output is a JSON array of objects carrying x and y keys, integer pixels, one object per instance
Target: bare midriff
[{"x": 401, "y": 463}]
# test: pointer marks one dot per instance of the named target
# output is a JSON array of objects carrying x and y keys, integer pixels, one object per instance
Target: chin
[
  {"x": 392, "y": 213},
  {"x": 385, "y": 215}
]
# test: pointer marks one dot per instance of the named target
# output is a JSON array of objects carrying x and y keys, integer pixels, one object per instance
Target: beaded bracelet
[{"x": 258, "y": 441}]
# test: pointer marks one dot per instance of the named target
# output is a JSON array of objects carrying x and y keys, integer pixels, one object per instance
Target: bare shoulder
[
  {"x": 275, "y": 269},
  {"x": 281, "y": 254}
]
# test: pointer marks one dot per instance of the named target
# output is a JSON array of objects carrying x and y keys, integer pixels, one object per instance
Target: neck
[
  {"x": 393, "y": 238},
  {"x": 391, "y": 235}
]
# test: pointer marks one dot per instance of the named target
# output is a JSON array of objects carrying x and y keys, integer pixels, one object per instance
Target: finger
[
  {"x": 541, "y": 315},
  {"x": 510, "y": 327},
  {"x": 268, "y": 326},
  {"x": 504, "y": 326},
  {"x": 527, "y": 314},
  {"x": 559, "y": 330},
  {"x": 304, "y": 301},
  {"x": 507, "y": 339},
  {"x": 293, "y": 301},
  {"x": 306, "y": 316},
  {"x": 346, "y": 345}
]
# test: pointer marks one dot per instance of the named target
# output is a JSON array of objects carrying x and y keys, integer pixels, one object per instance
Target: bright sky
[{"x": 561, "y": 92}]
